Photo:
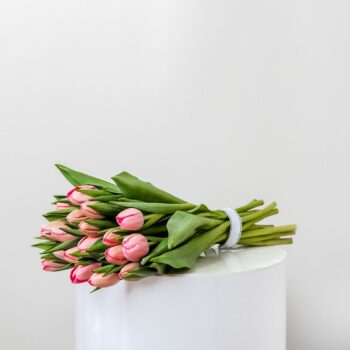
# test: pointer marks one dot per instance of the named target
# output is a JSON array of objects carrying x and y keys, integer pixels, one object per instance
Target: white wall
[{"x": 217, "y": 101}]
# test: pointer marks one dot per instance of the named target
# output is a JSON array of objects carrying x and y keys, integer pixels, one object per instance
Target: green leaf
[
  {"x": 105, "y": 269},
  {"x": 51, "y": 256},
  {"x": 159, "y": 208},
  {"x": 98, "y": 246},
  {"x": 182, "y": 226},
  {"x": 161, "y": 248},
  {"x": 114, "y": 270},
  {"x": 108, "y": 198},
  {"x": 45, "y": 246},
  {"x": 141, "y": 272},
  {"x": 187, "y": 254},
  {"x": 106, "y": 209},
  {"x": 133, "y": 187},
  {"x": 74, "y": 232},
  {"x": 155, "y": 239},
  {"x": 95, "y": 290},
  {"x": 60, "y": 197},
  {"x": 79, "y": 254},
  {"x": 64, "y": 246},
  {"x": 66, "y": 267},
  {"x": 161, "y": 268},
  {"x": 57, "y": 214},
  {"x": 152, "y": 219},
  {"x": 102, "y": 224},
  {"x": 94, "y": 193},
  {"x": 155, "y": 230},
  {"x": 77, "y": 178},
  {"x": 85, "y": 262}
]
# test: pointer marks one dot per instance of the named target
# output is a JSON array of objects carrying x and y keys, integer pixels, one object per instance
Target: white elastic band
[{"x": 235, "y": 228}]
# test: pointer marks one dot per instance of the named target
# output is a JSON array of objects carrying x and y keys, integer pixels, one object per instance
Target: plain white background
[{"x": 216, "y": 101}]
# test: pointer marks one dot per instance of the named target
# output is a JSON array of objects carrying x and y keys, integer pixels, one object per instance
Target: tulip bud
[
  {"x": 86, "y": 242},
  {"x": 130, "y": 219},
  {"x": 89, "y": 212},
  {"x": 60, "y": 205},
  {"x": 71, "y": 258},
  {"x": 59, "y": 254},
  {"x": 80, "y": 273},
  {"x": 88, "y": 230},
  {"x": 115, "y": 255},
  {"x": 75, "y": 216},
  {"x": 98, "y": 280},
  {"x": 66, "y": 255},
  {"x": 77, "y": 197},
  {"x": 128, "y": 268},
  {"x": 49, "y": 265},
  {"x": 135, "y": 247},
  {"x": 53, "y": 231},
  {"x": 111, "y": 239}
]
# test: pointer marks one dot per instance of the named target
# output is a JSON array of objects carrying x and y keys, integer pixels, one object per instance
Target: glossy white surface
[{"x": 232, "y": 301}]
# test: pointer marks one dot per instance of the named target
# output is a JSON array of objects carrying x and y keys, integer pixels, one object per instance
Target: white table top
[{"x": 239, "y": 260}]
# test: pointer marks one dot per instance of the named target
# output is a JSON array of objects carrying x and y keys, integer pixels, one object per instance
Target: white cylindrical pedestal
[{"x": 232, "y": 301}]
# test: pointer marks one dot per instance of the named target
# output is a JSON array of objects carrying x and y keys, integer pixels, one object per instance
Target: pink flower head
[
  {"x": 86, "y": 242},
  {"x": 98, "y": 280},
  {"x": 115, "y": 255},
  {"x": 128, "y": 268},
  {"x": 80, "y": 273},
  {"x": 130, "y": 219},
  {"x": 88, "y": 230},
  {"x": 135, "y": 247},
  {"x": 53, "y": 231},
  {"x": 60, "y": 205},
  {"x": 71, "y": 258},
  {"x": 89, "y": 212},
  {"x": 77, "y": 197},
  {"x": 66, "y": 255},
  {"x": 111, "y": 239},
  {"x": 59, "y": 254},
  {"x": 49, "y": 265},
  {"x": 75, "y": 216}
]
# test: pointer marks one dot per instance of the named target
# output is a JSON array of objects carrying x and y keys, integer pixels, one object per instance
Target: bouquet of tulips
[{"x": 127, "y": 230}]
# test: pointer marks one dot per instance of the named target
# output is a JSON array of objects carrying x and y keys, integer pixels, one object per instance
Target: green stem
[
  {"x": 271, "y": 242},
  {"x": 266, "y": 237},
  {"x": 252, "y": 204},
  {"x": 268, "y": 230},
  {"x": 260, "y": 218},
  {"x": 259, "y": 213}
]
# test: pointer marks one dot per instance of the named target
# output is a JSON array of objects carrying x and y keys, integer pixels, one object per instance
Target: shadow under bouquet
[{"x": 127, "y": 230}]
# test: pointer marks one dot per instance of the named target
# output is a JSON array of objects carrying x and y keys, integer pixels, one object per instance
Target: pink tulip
[
  {"x": 89, "y": 212},
  {"x": 80, "y": 273},
  {"x": 53, "y": 231},
  {"x": 59, "y": 254},
  {"x": 128, "y": 268},
  {"x": 60, "y": 205},
  {"x": 115, "y": 255},
  {"x": 49, "y": 265},
  {"x": 98, "y": 280},
  {"x": 77, "y": 197},
  {"x": 135, "y": 247},
  {"x": 75, "y": 216},
  {"x": 86, "y": 242},
  {"x": 88, "y": 230},
  {"x": 130, "y": 219},
  {"x": 71, "y": 258},
  {"x": 66, "y": 255},
  {"x": 111, "y": 239}
]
